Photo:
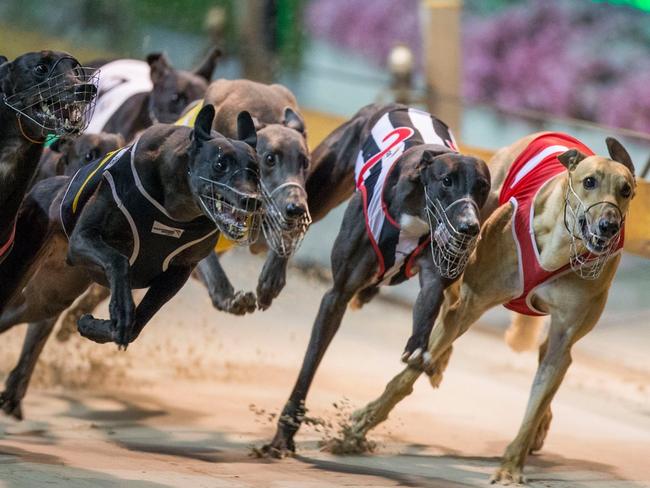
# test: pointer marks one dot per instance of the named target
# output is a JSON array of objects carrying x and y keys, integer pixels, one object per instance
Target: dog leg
[
  {"x": 354, "y": 264},
  {"x": 272, "y": 279},
  {"x": 95, "y": 295},
  {"x": 566, "y": 329},
  {"x": 221, "y": 291},
  {"x": 327, "y": 324},
  {"x": 88, "y": 249},
  {"x": 542, "y": 431},
  {"x": 18, "y": 380},
  {"x": 425, "y": 312}
]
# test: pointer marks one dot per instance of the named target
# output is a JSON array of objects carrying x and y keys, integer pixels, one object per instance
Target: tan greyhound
[{"x": 576, "y": 218}]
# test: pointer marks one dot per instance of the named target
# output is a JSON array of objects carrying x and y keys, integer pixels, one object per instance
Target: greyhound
[
  {"x": 416, "y": 210},
  {"x": 66, "y": 154},
  {"x": 42, "y": 93},
  {"x": 141, "y": 217},
  {"x": 284, "y": 165},
  {"x": 135, "y": 94},
  {"x": 551, "y": 247}
]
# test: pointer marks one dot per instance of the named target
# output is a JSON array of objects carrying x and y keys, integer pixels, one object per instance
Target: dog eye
[
  {"x": 589, "y": 183},
  {"x": 626, "y": 191},
  {"x": 220, "y": 165},
  {"x": 89, "y": 156},
  {"x": 447, "y": 182},
  {"x": 41, "y": 69},
  {"x": 270, "y": 159}
]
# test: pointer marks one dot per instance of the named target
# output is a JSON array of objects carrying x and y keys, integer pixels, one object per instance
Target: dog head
[
  {"x": 598, "y": 195},
  {"x": 50, "y": 91},
  {"x": 447, "y": 190},
  {"x": 224, "y": 176},
  {"x": 284, "y": 162},
  {"x": 77, "y": 152},
  {"x": 460, "y": 184},
  {"x": 173, "y": 89}
]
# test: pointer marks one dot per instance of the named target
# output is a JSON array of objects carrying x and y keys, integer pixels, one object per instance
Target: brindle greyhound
[
  {"x": 420, "y": 200},
  {"x": 185, "y": 186},
  {"x": 571, "y": 219},
  {"x": 134, "y": 94},
  {"x": 284, "y": 163},
  {"x": 66, "y": 155},
  {"x": 41, "y": 93}
]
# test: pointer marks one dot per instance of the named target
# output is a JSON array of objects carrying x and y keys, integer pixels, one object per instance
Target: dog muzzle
[
  {"x": 283, "y": 235},
  {"x": 579, "y": 219},
  {"x": 239, "y": 222},
  {"x": 61, "y": 104},
  {"x": 450, "y": 249}
]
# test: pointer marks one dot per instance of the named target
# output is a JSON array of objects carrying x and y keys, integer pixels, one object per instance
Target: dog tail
[{"x": 524, "y": 331}]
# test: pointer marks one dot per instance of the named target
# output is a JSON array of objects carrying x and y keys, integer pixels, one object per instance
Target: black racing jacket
[{"x": 157, "y": 237}]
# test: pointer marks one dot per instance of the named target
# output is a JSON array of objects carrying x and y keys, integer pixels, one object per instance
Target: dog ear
[
  {"x": 208, "y": 65},
  {"x": 619, "y": 154},
  {"x": 571, "y": 158},
  {"x": 203, "y": 124},
  {"x": 293, "y": 121},
  {"x": 246, "y": 129},
  {"x": 3, "y": 59},
  {"x": 426, "y": 158},
  {"x": 159, "y": 65}
]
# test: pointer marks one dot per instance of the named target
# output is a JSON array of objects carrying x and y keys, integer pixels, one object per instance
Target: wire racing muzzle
[
  {"x": 450, "y": 249},
  {"x": 284, "y": 235},
  {"x": 579, "y": 220},
  {"x": 240, "y": 221},
  {"x": 62, "y": 104}
]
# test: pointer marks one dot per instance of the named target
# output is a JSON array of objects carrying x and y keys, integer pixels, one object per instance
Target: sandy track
[{"x": 175, "y": 410}]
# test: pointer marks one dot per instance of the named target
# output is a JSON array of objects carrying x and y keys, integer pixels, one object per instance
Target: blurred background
[{"x": 495, "y": 70}]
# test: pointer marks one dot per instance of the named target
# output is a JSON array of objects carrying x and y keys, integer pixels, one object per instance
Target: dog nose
[
  {"x": 468, "y": 227},
  {"x": 295, "y": 210},
  {"x": 85, "y": 92},
  {"x": 608, "y": 227}
]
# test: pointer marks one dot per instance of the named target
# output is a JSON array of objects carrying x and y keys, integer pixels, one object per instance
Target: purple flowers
[{"x": 578, "y": 59}]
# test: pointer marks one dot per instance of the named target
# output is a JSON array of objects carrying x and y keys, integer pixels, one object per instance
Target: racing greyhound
[
  {"x": 141, "y": 217},
  {"x": 284, "y": 164},
  {"x": 551, "y": 247},
  {"x": 135, "y": 94},
  {"x": 41, "y": 93},
  {"x": 416, "y": 210}
]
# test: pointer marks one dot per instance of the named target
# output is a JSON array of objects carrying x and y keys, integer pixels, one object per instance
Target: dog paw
[
  {"x": 269, "y": 286},
  {"x": 11, "y": 405},
  {"x": 241, "y": 303},
  {"x": 97, "y": 330},
  {"x": 416, "y": 354},
  {"x": 277, "y": 449},
  {"x": 508, "y": 475}
]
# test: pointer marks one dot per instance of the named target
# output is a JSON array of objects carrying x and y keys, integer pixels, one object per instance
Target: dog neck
[
  {"x": 553, "y": 239},
  {"x": 18, "y": 162},
  {"x": 170, "y": 186}
]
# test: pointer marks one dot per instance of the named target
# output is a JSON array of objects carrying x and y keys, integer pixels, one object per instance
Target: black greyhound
[
  {"x": 41, "y": 93},
  {"x": 416, "y": 210},
  {"x": 284, "y": 165},
  {"x": 135, "y": 94},
  {"x": 142, "y": 217},
  {"x": 66, "y": 155}
]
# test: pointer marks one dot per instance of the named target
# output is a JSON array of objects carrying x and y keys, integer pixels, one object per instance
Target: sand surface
[{"x": 184, "y": 406}]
